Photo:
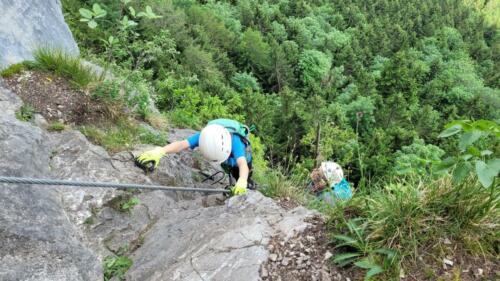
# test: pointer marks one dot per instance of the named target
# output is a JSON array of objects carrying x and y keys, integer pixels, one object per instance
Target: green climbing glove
[
  {"x": 240, "y": 187},
  {"x": 151, "y": 156}
]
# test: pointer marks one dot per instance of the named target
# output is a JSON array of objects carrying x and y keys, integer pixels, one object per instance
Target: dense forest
[
  {"x": 372, "y": 85},
  {"x": 373, "y": 81}
]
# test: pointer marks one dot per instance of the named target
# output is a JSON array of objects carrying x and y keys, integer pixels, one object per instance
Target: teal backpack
[{"x": 235, "y": 127}]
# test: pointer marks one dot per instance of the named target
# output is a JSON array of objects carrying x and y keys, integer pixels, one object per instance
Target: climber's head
[
  {"x": 332, "y": 172},
  {"x": 215, "y": 143}
]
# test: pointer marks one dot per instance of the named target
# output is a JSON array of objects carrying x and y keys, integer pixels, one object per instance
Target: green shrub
[
  {"x": 116, "y": 267},
  {"x": 65, "y": 65},
  {"x": 193, "y": 108},
  {"x": 12, "y": 69},
  {"x": 479, "y": 149},
  {"x": 25, "y": 113}
]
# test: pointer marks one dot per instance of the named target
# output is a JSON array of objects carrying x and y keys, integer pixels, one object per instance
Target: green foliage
[
  {"x": 395, "y": 223},
  {"x": 254, "y": 50},
  {"x": 245, "y": 81},
  {"x": 107, "y": 90},
  {"x": 12, "y": 69},
  {"x": 129, "y": 205},
  {"x": 116, "y": 267},
  {"x": 362, "y": 252},
  {"x": 275, "y": 184},
  {"x": 314, "y": 66},
  {"x": 417, "y": 158},
  {"x": 65, "y": 65},
  {"x": 90, "y": 16},
  {"x": 193, "y": 108},
  {"x": 25, "y": 113},
  {"x": 382, "y": 77},
  {"x": 478, "y": 148},
  {"x": 56, "y": 126},
  {"x": 121, "y": 135}
]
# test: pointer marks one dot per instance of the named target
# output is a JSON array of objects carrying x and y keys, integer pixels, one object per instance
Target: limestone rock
[
  {"x": 27, "y": 25},
  {"x": 216, "y": 243},
  {"x": 37, "y": 241}
]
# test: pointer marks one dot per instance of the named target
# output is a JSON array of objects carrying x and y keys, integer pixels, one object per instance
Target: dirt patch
[
  {"x": 448, "y": 260},
  {"x": 287, "y": 203},
  {"x": 55, "y": 99},
  {"x": 303, "y": 257}
]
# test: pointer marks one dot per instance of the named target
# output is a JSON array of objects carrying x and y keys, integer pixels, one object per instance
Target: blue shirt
[{"x": 238, "y": 148}]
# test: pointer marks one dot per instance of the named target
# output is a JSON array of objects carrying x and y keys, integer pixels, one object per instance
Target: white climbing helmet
[
  {"x": 332, "y": 172},
  {"x": 215, "y": 143}
]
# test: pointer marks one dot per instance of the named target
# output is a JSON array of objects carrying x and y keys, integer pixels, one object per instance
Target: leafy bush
[
  {"x": 194, "y": 108},
  {"x": 245, "y": 81},
  {"x": 479, "y": 147},
  {"x": 116, "y": 267},
  {"x": 65, "y": 65},
  {"x": 417, "y": 158},
  {"x": 362, "y": 252}
]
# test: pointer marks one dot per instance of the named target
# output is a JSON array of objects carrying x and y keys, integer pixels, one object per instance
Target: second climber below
[{"x": 221, "y": 141}]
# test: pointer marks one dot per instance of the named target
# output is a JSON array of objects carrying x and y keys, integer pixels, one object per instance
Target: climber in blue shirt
[{"x": 221, "y": 141}]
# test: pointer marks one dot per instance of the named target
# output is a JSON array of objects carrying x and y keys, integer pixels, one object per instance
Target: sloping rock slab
[
  {"x": 37, "y": 241},
  {"x": 216, "y": 243}
]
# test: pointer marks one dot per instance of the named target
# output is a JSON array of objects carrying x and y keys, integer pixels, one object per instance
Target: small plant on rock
[
  {"x": 56, "y": 126},
  {"x": 116, "y": 267},
  {"x": 11, "y": 70},
  {"x": 362, "y": 252},
  {"x": 25, "y": 113},
  {"x": 128, "y": 205}
]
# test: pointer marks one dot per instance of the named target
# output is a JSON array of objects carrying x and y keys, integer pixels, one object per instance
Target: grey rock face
[
  {"x": 27, "y": 25},
  {"x": 168, "y": 235},
  {"x": 216, "y": 243},
  {"x": 37, "y": 241}
]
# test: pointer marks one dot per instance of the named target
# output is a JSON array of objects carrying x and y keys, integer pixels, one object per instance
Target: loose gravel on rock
[{"x": 303, "y": 257}]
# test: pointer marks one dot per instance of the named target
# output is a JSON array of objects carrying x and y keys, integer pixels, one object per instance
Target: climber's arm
[
  {"x": 243, "y": 167},
  {"x": 156, "y": 154},
  {"x": 176, "y": 146}
]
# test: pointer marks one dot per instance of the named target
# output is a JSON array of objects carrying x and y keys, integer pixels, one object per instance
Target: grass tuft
[
  {"x": 121, "y": 136},
  {"x": 275, "y": 184},
  {"x": 116, "y": 267},
  {"x": 56, "y": 126},
  {"x": 408, "y": 217},
  {"x": 158, "y": 121},
  {"x": 65, "y": 65},
  {"x": 12, "y": 69}
]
